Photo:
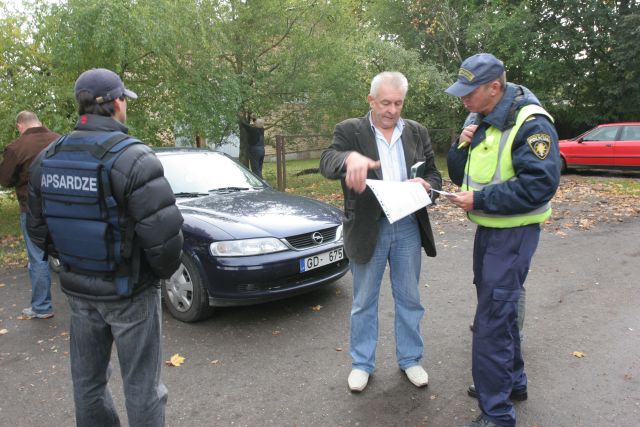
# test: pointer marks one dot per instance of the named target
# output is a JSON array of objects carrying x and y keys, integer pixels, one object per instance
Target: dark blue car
[{"x": 245, "y": 242}]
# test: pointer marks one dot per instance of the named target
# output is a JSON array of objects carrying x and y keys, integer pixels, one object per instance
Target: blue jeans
[
  {"x": 134, "y": 324},
  {"x": 38, "y": 273},
  {"x": 399, "y": 244}
]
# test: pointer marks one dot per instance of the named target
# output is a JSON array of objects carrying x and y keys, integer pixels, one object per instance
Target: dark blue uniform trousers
[{"x": 501, "y": 260}]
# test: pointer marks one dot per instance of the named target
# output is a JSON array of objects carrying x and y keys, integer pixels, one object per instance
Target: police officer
[
  {"x": 508, "y": 166},
  {"x": 98, "y": 199}
]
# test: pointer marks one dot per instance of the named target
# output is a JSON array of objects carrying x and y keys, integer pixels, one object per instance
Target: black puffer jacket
[{"x": 137, "y": 183}]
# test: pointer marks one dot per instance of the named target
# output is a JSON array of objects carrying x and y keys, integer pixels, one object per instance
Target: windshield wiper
[
  {"x": 190, "y": 194},
  {"x": 224, "y": 189}
]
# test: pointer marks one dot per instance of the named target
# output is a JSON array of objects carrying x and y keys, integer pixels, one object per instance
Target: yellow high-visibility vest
[{"x": 490, "y": 163}]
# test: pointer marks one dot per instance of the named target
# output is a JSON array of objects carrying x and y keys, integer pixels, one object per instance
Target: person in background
[
  {"x": 14, "y": 172},
  {"x": 507, "y": 163},
  {"x": 98, "y": 199},
  {"x": 256, "y": 146},
  {"x": 383, "y": 146}
]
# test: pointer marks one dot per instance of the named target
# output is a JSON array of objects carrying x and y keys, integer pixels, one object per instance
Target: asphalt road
[{"x": 286, "y": 363}]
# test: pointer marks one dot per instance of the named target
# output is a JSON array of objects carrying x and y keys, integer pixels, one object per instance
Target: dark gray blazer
[{"x": 362, "y": 211}]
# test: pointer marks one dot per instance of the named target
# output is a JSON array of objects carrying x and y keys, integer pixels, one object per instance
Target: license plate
[{"x": 319, "y": 260}]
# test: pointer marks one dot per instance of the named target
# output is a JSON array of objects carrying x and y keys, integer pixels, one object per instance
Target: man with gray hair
[
  {"x": 383, "y": 146},
  {"x": 14, "y": 172}
]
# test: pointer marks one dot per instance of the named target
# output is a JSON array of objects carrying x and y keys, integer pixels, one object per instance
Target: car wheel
[
  {"x": 564, "y": 168},
  {"x": 184, "y": 293}
]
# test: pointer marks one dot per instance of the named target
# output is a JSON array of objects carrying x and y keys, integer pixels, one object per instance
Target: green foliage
[
  {"x": 581, "y": 58},
  {"x": 201, "y": 66},
  {"x": 9, "y": 214},
  {"x": 164, "y": 50},
  {"x": 12, "y": 249}
]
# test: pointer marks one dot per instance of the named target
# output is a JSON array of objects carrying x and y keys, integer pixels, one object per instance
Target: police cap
[{"x": 476, "y": 70}]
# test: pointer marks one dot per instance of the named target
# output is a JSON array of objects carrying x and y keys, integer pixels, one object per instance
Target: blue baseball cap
[
  {"x": 476, "y": 70},
  {"x": 104, "y": 85}
]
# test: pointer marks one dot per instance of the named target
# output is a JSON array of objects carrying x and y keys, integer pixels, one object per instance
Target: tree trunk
[{"x": 243, "y": 155}]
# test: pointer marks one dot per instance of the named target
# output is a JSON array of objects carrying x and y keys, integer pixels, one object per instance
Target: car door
[
  {"x": 596, "y": 147},
  {"x": 627, "y": 149}
]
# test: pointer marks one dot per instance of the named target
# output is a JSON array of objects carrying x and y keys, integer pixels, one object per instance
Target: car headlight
[
  {"x": 339, "y": 233},
  {"x": 247, "y": 247}
]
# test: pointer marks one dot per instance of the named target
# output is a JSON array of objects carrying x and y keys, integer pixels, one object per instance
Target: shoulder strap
[
  {"x": 103, "y": 148},
  {"x": 97, "y": 150},
  {"x": 53, "y": 148}
]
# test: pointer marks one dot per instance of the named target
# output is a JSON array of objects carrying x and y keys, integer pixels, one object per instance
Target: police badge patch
[{"x": 540, "y": 144}]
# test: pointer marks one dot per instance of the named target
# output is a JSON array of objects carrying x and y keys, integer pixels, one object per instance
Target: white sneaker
[
  {"x": 358, "y": 380},
  {"x": 417, "y": 375}
]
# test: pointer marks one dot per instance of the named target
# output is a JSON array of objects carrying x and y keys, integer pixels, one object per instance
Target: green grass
[
  {"x": 311, "y": 185},
  {"x": 314, "y": 185},
  {"x": 12, "y": 249},
  {"x": 626, "y": 187}
]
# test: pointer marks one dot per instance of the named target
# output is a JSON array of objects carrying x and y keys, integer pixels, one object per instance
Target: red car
[{"x": 609, "y": 146}]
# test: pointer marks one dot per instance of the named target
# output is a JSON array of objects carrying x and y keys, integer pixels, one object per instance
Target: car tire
[
  {"x": 184, "y": 293},
  {"x": 563, "y": 168}
]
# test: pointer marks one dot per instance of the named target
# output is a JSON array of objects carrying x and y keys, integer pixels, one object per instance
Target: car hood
[{"x": 259, "y": 213}]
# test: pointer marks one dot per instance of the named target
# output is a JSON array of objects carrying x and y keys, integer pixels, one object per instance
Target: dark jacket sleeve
[
  {"x": 36, "y": 224},
  {"x": 332, "y": 159},
  {"x": 139, "y": 184},
  {"x": 456, "y": 161}
]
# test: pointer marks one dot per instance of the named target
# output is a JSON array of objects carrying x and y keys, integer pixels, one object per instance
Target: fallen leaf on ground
[
  {"x": 215, "y": 362},
  {"x": 275, "y": 333},
  {"x": 338, "y": 348},
  {"x": 578, "y": 354},
  {"x": 176, "y": 360},
  {"x": 316, "y": 307}
]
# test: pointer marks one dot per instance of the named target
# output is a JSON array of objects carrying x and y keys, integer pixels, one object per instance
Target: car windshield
[{"x": 199, "y": 173}]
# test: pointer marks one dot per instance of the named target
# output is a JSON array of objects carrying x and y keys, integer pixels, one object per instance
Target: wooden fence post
[{"x": 281, "y": 164}]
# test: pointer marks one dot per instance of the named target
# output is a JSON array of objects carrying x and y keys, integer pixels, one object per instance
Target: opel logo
[{"x": 317, "y": 237}]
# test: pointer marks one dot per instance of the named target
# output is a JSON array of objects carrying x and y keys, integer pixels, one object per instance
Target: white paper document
[
  {"x": 443, "y": 193},
  {"x": 399, "y": 199}
]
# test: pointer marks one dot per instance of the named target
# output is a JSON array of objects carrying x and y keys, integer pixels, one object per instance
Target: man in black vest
[{"x": 102, "y": 312}]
